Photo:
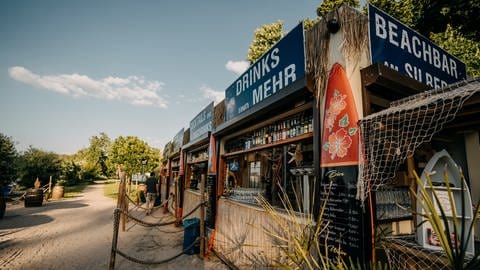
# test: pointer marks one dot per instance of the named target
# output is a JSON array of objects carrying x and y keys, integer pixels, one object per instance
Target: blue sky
[{"x": 72, "y": 69}]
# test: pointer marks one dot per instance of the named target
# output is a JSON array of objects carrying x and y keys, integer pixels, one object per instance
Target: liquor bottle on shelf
[
  {"x": 310, "y": 124},
  {"x": 265, "y": 135},
  {"x": 289, "y": 135},
  {"x": 275, "y": 133},
  {"x": 272, "y": 133},
  {"x": 305, "y": 125},
  {"x": 280, "y": 131},
  {"x": 293, "y": 132}
]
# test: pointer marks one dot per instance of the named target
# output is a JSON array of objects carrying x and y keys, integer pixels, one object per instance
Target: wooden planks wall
[
  {"x": 240, "y": 234},
  {"x": 191, "y": 200}
]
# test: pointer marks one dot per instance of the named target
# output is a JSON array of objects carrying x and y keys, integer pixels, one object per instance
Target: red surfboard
[{"x": 340, "y": 129}]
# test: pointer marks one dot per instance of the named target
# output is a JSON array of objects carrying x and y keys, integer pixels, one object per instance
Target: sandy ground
[{"x": 77, "y": 234}]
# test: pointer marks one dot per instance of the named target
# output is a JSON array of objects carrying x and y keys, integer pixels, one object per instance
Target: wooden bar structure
[{"x": 249, "y": 160}]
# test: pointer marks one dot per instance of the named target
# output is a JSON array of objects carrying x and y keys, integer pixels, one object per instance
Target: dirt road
[{"x": 77, "y": 234}]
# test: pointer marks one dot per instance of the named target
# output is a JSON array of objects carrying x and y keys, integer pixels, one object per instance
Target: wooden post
[
  {"x": 412, "y": 182},
  {"x": 116, "y": 222},
  {"x": 202, "y": 216},
  {"x": 49, "y": 188}
]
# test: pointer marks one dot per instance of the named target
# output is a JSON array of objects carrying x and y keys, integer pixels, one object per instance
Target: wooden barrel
[
  {"x": 34, "y": 197},
  {"x": 58, "y": 192}
]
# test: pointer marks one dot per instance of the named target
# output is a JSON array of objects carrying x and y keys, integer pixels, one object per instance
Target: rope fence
[
  {"x": 135, "y": 260},
  {"x": 122, "y": 210}
]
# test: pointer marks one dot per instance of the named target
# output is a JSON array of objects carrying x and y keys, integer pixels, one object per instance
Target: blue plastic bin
[{"x": 191, "y": 232}]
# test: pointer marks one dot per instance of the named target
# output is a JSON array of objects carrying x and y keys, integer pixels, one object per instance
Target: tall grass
[
  {"x": 298, "y": 235},
  {"x": 74, "y": 191},
  {"x": 110, "y": 189}
]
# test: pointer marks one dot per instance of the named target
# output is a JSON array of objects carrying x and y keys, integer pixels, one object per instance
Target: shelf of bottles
[
  {"x": 175, "y": 163},
  {"x": 294, "y": 126},
  {"x": 199, "y": 156}
]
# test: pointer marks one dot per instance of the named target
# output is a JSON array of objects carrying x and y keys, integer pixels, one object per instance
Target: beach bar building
[{"x": 333, "y": 111}]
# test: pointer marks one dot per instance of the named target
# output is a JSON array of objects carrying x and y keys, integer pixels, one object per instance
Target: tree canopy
[
  {"x": 328, "y": 5},
  {"x": 38, "y": 163},
  {"x": 129, "y": 151},
  {"x": 97, "y": 153},
  {"x": 263, "y": 39}
]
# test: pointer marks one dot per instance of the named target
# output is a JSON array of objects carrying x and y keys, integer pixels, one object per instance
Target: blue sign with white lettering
[
  {"x": 177, "y": 141},
  {"x": 279, "y": 67},
  {"x": 202, "y": 123},
  {"x": 403, "y": 49}
]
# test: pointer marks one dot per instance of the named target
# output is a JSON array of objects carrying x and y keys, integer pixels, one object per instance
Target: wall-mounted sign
[
  {"x": 397, "y": 46},
  {"x": 279, "y": 67},
  {"x": 167, "y": 150},
  {"x": 202, "y": 123},
  {"x": 177, "y": 141}
]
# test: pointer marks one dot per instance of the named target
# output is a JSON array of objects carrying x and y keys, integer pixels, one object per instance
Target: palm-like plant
[
  {"x": 298, "y": 235},
  {"x": 456, "y": 250}
]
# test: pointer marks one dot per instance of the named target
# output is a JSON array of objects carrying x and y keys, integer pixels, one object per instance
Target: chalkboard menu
[{"x": 347, "y": 234}]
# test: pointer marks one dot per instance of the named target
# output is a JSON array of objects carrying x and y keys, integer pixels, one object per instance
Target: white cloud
[
  {"x": 210, "y": 94},
  {"x": 237, "y": 66},
  {"x": 132, "y": 89}
]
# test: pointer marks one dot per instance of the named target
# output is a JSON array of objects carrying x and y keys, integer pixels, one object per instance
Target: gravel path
[{"x": 77, "y": 234}]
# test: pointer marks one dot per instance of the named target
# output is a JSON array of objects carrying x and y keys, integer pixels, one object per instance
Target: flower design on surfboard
[{"x": 340, "y": 130}]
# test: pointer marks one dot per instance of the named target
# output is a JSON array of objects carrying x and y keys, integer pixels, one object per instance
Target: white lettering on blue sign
[
  {"x": 271, "y": 86},
  {"x": 277, "y": 69},
  {"x": 401, "y": 48},
  {"x": 388, "y": 30},
  {"x": 259, "y": 70}
]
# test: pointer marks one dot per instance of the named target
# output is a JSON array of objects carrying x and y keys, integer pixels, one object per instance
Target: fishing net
[
  {"x": 404, "y": 253},
  {"x": 392, "y": 135}
]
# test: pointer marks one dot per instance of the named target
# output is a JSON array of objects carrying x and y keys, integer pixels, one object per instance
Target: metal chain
[{"x": 133, "y": 259}]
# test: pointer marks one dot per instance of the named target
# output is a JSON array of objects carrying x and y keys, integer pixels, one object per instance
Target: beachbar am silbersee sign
[
  {"x": 279, "y": 67},
  {"x": 396, "y": 45}
]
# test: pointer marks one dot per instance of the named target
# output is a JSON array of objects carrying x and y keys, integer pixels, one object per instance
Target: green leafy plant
[
  {"x": 456, "y": 250},
  {"x": 303, "y": 238},
  {"x": 298, "y": 236},
  {"x": 61, "y": 182}
]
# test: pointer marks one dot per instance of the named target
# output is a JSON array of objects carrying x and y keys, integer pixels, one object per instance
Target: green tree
[
  {"x": 263, "y": 39},
  {"x": 71, "y": 172},
  {"x": 328, "y": 5},
  {"x": 130, "y": 151},
  {"x": 8, "y": 156},
  {"x": 35, "y": 163},
  {"x": 455, "y": 42},
  {"x": 97, "y": 154}
]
